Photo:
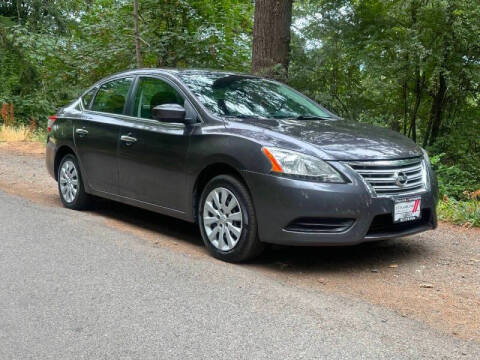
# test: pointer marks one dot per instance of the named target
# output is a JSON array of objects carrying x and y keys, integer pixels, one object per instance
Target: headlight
[
  {"x": 425, "y": 156},
  {"x": 300, "y": 165}
]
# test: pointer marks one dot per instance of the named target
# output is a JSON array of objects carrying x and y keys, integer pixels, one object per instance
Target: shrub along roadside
[
  {"x": 20, "y": 133},
  {"x": 459, "y": 191},
  {"x": 460, "y": 212}
]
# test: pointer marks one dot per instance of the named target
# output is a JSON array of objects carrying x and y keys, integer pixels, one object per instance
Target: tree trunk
[
  {"x": 271, "y": 38},
  {"x": 19, "y": 6},
  {"x": 137, "y": 36},
  {"x": 436, "y": 112},
  {"x": 412, "y": 132},
  {"x": 439, "y": 98},
  {"x": 405, "y": 106},
  {"x": 405, "y": 96}
]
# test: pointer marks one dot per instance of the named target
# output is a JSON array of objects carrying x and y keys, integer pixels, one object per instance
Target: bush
[
  {"x": 459, "y": 190},
  {"x": 453, "y": 180},
  {"x": 460, "y": 212}
]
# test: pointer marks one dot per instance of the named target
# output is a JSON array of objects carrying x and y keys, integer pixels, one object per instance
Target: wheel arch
[
  {"x": 59, "y": 155},
  {"x": 208, "y": 173}
]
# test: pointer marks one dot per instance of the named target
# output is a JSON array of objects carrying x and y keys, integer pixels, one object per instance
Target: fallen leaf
[{"x": 426, "y": 285}]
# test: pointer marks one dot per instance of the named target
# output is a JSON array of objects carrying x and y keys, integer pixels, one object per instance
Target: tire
[
  {"x": 219, "y": 227},
  {"x": 77, "y": 199}
]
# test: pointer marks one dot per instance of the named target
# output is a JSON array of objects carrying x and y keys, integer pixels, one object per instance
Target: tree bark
[
  {"x": 405, "y": 105},
  {"x": 412, "y": 132},
  {"x": 19, "y": 6},
  {"x": 437, "y": 109},
  {"x": 271, "y": 38},
  {"x": 436, "y": 112},
  {"x": 137, "y": 36}
]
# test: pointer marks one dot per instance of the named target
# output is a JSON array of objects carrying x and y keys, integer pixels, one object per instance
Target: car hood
[{"x": 338, "y": 139}]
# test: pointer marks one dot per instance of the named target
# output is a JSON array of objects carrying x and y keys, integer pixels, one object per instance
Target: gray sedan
[{"x": 251, "y": 160}]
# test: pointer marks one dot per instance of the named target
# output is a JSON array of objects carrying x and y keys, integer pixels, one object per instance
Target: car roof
[{"x": 175, "y": 72}]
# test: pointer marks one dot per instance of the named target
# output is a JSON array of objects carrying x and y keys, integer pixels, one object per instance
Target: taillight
[{"x": 51, "y": 120}]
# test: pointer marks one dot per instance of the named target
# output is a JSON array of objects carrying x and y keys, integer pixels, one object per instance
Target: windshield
[{"x": 250, "y": 97}]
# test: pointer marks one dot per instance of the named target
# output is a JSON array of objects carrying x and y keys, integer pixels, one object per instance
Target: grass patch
[
  {"x": 460, "y": 212},
  {"x": 20, "y": 133}
]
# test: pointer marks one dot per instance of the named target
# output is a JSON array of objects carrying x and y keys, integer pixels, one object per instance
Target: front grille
[
  {"x": 392, "y": 177},
  {"x": 320, "y": 225}
]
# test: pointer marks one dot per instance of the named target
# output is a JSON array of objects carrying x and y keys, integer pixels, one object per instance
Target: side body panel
[
  {"x": 152, "y": 169},
  {"x": 61, "y": 136},
  {"x": 96, "y": 139},
  {"x": 212, "y": 145}
]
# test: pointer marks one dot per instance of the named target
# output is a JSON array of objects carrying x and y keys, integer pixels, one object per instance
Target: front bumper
[{"x": 280, "y": 201}]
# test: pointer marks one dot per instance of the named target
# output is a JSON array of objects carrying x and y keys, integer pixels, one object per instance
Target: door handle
[
  {"x": 81, "y": 132},
  {"x": 129, "y": 140}
]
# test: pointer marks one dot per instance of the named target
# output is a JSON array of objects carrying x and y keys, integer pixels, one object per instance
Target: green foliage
[
  {"x": 460, "y": 212},
  {"x": 52, "y": 50},
  {"x": 454, "y": 181},
  {"x": 413, "y": 66}
]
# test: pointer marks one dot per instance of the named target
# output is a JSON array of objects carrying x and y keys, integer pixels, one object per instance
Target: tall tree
[
  {"x": 271, "y": 37},
  {"x": 137, "y": 35}
]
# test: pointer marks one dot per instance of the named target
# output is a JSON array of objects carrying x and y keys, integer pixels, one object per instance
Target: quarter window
[
  {"x": 152, "y": 92},
  {"x": 111, "y": 97}
]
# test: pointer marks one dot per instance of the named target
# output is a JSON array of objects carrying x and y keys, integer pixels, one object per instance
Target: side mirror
[{"x": 169, "y": 113}]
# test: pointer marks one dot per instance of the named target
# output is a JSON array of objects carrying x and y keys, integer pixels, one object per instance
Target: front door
[
  {"x": 96, "y": 135},
  {"x": 152, "y": 154}
]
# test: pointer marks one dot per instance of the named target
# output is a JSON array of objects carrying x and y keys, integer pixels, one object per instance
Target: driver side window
[{"x": 152, "y": 92}]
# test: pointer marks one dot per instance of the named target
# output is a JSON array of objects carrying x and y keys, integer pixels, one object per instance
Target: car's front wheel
[
  {"x": 227, "y": 220},
  {"x": 70, "y": 184}
]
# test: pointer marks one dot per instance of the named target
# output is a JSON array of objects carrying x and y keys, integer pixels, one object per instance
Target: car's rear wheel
[
  {"x": 70, "y": 184},
  {"x": 227, "y": 220}
]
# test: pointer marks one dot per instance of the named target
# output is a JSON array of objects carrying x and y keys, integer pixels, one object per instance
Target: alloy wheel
[
  {"x": 222, "y": 219},
  {"x": 69, "y": 181}
]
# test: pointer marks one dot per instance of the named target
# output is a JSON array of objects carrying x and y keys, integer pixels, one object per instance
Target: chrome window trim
[{"x": 137, "y": 119}]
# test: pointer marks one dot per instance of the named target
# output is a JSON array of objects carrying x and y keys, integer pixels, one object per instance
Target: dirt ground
[{"x": 433, "y": 277}]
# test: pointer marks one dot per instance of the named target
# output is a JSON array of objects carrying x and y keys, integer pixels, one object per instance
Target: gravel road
[
  {"x": 71, "y": 287},
  {"x": 118, "y": 282}
]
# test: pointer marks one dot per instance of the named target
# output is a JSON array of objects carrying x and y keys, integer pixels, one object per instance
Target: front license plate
[{"x": 407, "y": 210}]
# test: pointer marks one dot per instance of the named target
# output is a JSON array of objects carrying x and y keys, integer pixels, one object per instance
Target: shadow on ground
[
  {"x": 150, "y": 221},
  {"x": 362, "y": 257},
  {"x": 367, "y": 256}
]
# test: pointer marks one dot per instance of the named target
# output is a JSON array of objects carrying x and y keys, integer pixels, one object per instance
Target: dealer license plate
[{"x": 407, "y": 210}]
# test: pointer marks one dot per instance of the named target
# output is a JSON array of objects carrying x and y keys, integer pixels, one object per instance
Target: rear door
[
  {"x": 152, "y": 165},
  {"x": 96, "y": 136}
]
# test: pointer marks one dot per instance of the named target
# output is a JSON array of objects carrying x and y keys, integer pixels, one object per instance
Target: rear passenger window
[
  {"x": 111, "y": 97},
  {"x": 87, "y": 98}
]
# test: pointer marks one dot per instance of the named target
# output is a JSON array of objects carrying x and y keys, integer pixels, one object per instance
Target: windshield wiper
[
  {"x": 242, "y": 116},
  {"x": 313, "y": 117}
]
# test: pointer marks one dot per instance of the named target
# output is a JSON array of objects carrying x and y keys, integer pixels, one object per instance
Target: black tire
[
  {"x": 248, "y": 245},
  {"x": 82, "y": 200}
]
